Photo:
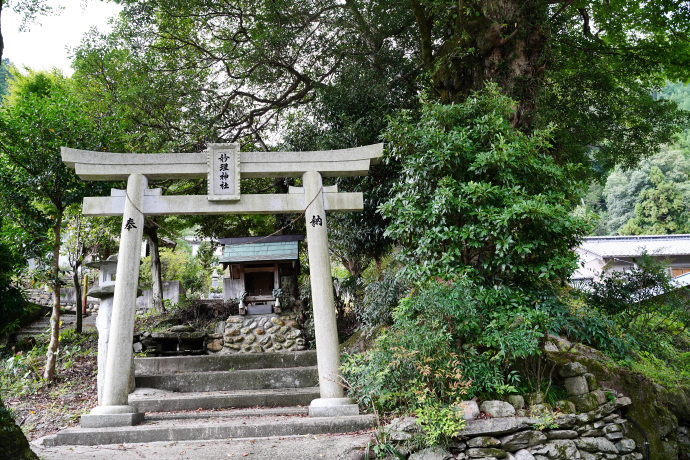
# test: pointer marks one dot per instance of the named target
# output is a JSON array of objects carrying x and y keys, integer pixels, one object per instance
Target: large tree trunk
[
  {"x": 498, "y": 41},
  {"x": 49, "y": 372},
  {"x": 151, "y": 233}
]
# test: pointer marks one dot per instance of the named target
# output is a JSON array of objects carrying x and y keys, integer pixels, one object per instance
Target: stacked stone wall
[
  {"x": 262, "y": 334},
  {"x": 589, "y": 425}
]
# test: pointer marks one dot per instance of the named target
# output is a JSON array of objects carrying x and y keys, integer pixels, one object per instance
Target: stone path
[
  {"x": 42, "y": 325},
  {"x": 312, "y": 447}
]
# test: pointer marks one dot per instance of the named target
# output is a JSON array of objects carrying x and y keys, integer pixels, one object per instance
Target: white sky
[{"x": 45, "y": 45}]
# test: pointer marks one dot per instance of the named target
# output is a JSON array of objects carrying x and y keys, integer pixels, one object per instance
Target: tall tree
[
  {"x": 36, "y": 186},
  {"x": 661, "y": 209},
  {"x": 588, "y": 66},
  {"x": 624, "y": 187}
]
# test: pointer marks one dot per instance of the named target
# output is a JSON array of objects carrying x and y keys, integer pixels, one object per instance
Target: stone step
[
  {"x": 210, "y": 428},
  {"x": 225, "y": 413},
  {"x": 237, "y": 361},
  {"x": 250, "y": 379},
  {"x": 151, "y": 400}
]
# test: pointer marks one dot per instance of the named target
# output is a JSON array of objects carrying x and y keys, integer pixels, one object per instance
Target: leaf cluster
[{"x": 477, "y": 198}]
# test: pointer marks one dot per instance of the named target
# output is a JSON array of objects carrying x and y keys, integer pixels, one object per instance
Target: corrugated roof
[
  {"x": 632, "y": 246},
  {"x": 254, "y": 252},
  {"x": 682, "y": 280},
  {"x": 261, "y": 239}
]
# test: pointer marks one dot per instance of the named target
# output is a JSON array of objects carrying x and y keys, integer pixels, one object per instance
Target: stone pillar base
[
  {"x": 111, "y": 416},
  {"x": 333, "y": 407}
]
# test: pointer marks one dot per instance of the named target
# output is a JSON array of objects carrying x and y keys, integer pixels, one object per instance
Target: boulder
[
  {"x": 576, "y": 386},
  {"x": 432, "y": 453},
  {"x": 470, "y": 410},
  {"x": 498, "y": 409},
  {"x": 596, "y": 445},
  {"x": 517, "y": 401},
  {"x": 561, "y": 434},
  {"x": 12, "y": 439},
  {"x": 523, "y": 454},
  {"x": 483, "y": 441},
  {"x": 484, "y": 452},
  {"x": 495, "y": 426},
  {"x": 585, "y": 402},
  {"x": 591, "y": 381},
  {"x": 558, "y": 449},
  {"x": 522, "y": 440},
  {"x": 573, "y": 369},
  {"x": 567, "y": 407},
  {"x": 215, "y": 345},
  {"x": 625, "y": 446}
]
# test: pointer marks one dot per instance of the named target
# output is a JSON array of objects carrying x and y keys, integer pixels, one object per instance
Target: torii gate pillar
[
  {"x": 332, "y": 401},
  {"x": 115, "y": 409}
]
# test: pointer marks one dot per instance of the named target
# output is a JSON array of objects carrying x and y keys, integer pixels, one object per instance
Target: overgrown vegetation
[
  {"x": 483, "y": 219},
  {"x": 653, "y": 313},
  {"x": 40, "y": 406}
]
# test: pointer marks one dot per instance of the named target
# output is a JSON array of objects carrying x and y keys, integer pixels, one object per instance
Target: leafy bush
[
  {"x": 381, "y": 296},
  {"x": 482, "y": 330},
  {"x": 479, "y": 199},
  {"x": 12, "y": 302},
  {"x": 583, "y": 323}
]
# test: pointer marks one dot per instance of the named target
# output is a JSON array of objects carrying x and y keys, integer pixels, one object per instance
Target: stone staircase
[
  {"x": 240, "y": 395},
  {"x": 42, "y": 325}
]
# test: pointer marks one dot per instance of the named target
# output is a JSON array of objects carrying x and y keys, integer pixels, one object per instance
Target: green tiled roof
[{"x": 286, "y": 250}]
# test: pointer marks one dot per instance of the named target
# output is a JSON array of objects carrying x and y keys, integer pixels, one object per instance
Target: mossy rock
[
  {"x": 655, "y": 409},
  {"x": 12, "y": 439},
  {"x": 362, "y": 339}
]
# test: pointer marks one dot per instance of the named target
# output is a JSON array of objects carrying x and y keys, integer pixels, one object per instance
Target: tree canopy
[{"x": 240, "y": 67}]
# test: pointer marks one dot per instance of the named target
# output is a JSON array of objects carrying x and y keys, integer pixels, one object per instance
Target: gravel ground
[{"x": 319, "y": 447}]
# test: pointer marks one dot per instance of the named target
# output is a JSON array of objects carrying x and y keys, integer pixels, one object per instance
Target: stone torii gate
[{"x": 223, "y": 166}]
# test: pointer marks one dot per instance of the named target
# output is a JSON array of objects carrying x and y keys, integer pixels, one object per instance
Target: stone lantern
[{"x": 105, "y": 292}]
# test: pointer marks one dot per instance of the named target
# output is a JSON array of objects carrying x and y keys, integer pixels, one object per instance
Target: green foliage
[
  {"x": 679, "y": 93},
  {"x": 481, "y": 330},
  {"x": 176, "y": 264},
  {"x": 477, "y": 198},
  {"x": 646, "y": 303},
  {"x": 6, "y": 76},
  {"x": 544, "y": 421},
  {"x": 661, "y": 210},
  {"x": 20, "y": 373},
  {"x": 12, "y": 302},
  {"x": 582, "y": 323},
  {"x": 440, "y": 423},
  {"x": 626, "y": 188},
  {"x": 381, "y": 297}
]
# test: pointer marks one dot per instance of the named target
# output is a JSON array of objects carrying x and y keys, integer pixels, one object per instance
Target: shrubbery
[
  {"x": 12, "y": 302},
  {"x": 481, "y": 216},
  {"x": 479, "y": 199},
  {"x": 652, "y": 312}
]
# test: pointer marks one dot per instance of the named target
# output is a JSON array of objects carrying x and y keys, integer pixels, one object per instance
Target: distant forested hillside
[{"x": 654, "y": 197}]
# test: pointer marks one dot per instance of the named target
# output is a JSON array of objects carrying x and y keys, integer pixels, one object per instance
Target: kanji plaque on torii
[{"x": 223, "y": 166}]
